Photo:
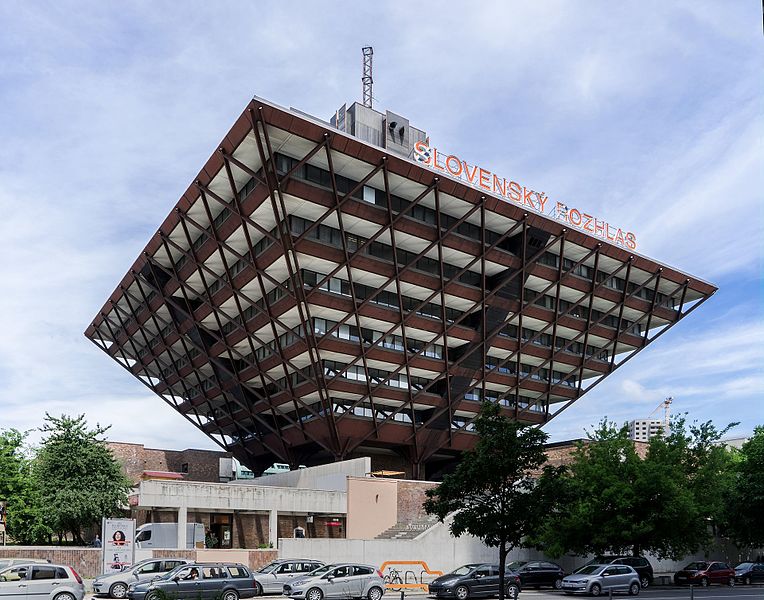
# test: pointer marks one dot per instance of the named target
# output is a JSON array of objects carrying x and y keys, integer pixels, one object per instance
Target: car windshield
[
  {"x": 269, "y": 567},
  {"x": 322, "y": 570},
  {"x": 516, "y": 564},
  {"x": 742, "y": 566},
  {"x": 173, "y": 572},
  {"x": 128, "y": 568},
  {"x": 465, "y": 570},
  {"x": 696, "y": 566},
  {"x": 589, "y": 570}
]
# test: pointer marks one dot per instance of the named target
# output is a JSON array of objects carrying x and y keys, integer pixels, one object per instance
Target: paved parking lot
[{"x": 653, "y": 593}]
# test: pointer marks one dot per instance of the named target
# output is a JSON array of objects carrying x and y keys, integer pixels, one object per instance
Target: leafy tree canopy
[
  {"x": 746, "y": 494},
  {"x": 614, "y": 501},
  {"x": 24, "y": 519},
  {"x": 78, "y": 479},
  {"x": 492, "y": 493}
]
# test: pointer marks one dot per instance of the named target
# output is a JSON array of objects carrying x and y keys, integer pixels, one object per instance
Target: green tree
[
  {"x": 746, "y": 496},
  {"x": 78, "y": 479},
  {"x": 615, "y": 501},
  {"x": 492, "y": 493},
  {"x": 24, "y": 520}
]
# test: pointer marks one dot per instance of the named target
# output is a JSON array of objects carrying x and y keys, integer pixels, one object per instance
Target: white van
[{"x": 165, "y": 535}]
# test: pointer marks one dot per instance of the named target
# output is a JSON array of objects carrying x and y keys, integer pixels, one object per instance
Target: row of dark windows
[
  {"x": 383, "y": 298},
  {"x": 322, "y": 178},
  {"x": 617, "y": 283},
  {"x": 369, "y": 336},
  {"x": 332, "y": 236},
  {"x": 540, "y": 374}
]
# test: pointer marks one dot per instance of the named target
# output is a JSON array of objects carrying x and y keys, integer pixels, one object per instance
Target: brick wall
[
  {"x": 563, "y": 454},
  {"x": 203, "y": 465},
  {"x": 411, "y": 496},
  {"x": 317, "y": 529},
  {"x": 249, "y": 530},
  {"x": 87, "y": 561},
  {"x": 256, "y": 558}
]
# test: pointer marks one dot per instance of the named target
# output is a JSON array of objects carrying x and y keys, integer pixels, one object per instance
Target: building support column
[
  {"x": 182, "y": 520},
  {"x": 273, "y": 528}
]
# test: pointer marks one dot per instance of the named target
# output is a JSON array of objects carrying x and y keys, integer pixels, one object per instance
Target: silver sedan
[
  {"x": 43, "y": 582},
  {"x": 271, "y": 578},
  {"x": 115, "y": 585},
  {"x": 338, "y": 581}
]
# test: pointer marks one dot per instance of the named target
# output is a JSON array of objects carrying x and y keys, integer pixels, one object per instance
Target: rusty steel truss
[{"x": 203, "y": 320}]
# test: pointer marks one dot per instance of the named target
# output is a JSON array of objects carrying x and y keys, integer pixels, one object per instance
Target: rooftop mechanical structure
[{"x": 316, "y": 295}]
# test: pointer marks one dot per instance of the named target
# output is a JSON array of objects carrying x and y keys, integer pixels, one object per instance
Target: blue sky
[{"x": 648, "y": 114}]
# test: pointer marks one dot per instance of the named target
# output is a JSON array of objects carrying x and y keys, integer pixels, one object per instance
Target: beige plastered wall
[{"x": 372, "y": 506}]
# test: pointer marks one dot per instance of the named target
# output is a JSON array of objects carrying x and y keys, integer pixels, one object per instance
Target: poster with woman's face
[{"x": 118, "y": 539}]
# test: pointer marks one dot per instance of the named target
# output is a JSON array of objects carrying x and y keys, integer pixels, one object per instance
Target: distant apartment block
[{"x": 641, "y": 430}]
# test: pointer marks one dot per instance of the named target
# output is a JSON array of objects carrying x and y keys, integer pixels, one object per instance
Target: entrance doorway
[{"x": 221, "y": 528}]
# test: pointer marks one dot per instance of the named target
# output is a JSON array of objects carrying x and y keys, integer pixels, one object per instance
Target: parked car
[
  {"x": 114, "y": 585},
  {"x": 705, "y": 573},
  {"x": 41, "y": 582},
  {"x": 538, "y": 573},
  {"x": 197, "y": 581},
  {"x": 9, "y": 562},
  {"x": 639, "y": 563},
  {"x": 271, "y": 578},
  {"x": 474, "y": 581},
  {"x": 346, "y": 580},
  {"x": 749, "y": 573},
  {"x": 599, "y": 579}
]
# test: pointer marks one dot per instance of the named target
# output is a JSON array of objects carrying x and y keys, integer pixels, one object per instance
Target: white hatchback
[{"x": 40, "y": 582}]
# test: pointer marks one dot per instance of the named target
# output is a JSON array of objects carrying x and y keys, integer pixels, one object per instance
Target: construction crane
[{"x": 666, "y": 405}]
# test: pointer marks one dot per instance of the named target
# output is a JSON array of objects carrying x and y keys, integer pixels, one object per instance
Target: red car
[{"x": 705, "y": 573}]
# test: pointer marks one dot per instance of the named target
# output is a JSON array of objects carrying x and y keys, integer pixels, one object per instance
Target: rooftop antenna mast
[{"x": 367, "y": 79}]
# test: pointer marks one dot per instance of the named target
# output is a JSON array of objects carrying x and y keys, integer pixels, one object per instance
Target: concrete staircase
[{"x": 408, "y": 530}]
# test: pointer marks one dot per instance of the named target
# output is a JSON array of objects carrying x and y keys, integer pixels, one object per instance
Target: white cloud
[{"x": 648, "y": 116}]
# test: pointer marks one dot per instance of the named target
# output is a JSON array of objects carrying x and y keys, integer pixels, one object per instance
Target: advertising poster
[
  {"x": 118, "y": 537},
  {"x": 2, "y": 521}
]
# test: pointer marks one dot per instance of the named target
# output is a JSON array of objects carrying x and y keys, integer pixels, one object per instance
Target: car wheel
[
  {"x": 732, "y": 582},
  {"x": 375, "y": 593},
  {"x": 314, "y": 594},
  {"x": 634, "y": 589},
  {"x": 258, "y": 589},
  {"x": 230, "y": 595},
  {"x": 118, "y": 590},
  {"x": 644, "y": 582},
  {"x": 704, "y": 581},
  {"x": 513, "y": 591},
  {"x": 596, "y": 589},
  {"x": 153, "y": 596},
  {"x": 558, "y": 584},
  {"x": 747, "y": 580},
  {"x": 462, "y": 593},
  {"x": 64, "y": 596}
]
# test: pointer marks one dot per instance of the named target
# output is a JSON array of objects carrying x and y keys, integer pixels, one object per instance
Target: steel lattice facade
[{"x": 312, "y": 297}]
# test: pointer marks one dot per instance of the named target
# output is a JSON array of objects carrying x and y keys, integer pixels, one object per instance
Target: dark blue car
[{"x": 198, "y": 581}]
